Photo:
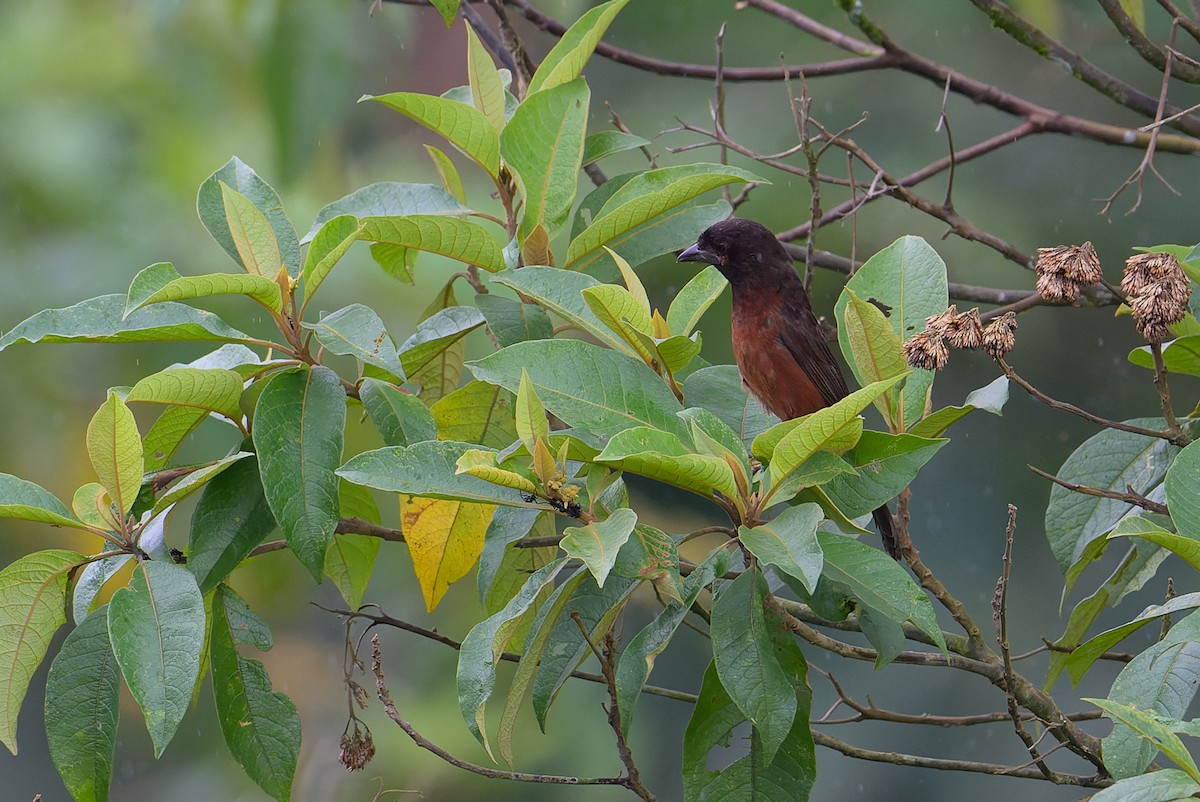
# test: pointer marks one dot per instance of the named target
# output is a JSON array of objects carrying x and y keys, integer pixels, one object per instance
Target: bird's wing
[{"x": 806, "y": 343}]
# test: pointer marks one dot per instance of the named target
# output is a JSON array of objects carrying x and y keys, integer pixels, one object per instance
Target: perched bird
[{"x": 778, "y": 344}]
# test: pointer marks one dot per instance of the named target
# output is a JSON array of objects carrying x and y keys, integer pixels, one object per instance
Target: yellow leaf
[
  {"x": 543, "y": 462},
  {"x": 444, "y": 538},
  {"x": 631, "y": 280}
]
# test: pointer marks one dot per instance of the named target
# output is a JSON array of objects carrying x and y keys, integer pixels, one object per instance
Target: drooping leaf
[
  {"x": 989, "y": 398},
  {"x": 561, "y": 292},
  {"x": 1082, "y": 658},
  {"x": 449, "y": 236},
  {"x": 91, "y": 578},
  {"x": 435, "y": 335},
  {"x": 465, "y": 127},
  {"x": 230, "y": 519},
  {"x": 789, "y": 542},
  {"x": 1153, "y": 727},
  {"x": 660, "y": 455},
  {"x": 161, "y": 283},
  {"x": 214, "y": 390},
  {"x": 357, "y": 331},
  {"x": 451, "y": 181},
  {"x": 390, "y": 199},
  {"x": 512, "y": 321},
  {"x": 328, "y": 246},
  {"x": 884, "y": 465},
  {"x": 444, "y": 539},
  {"x": 27, "y": 501},
  {"x": 239, "y": 176},
  {"x": 596, "y": 544},
  {"x": 400, "y": 417},
  {"x": 603, "y": 144},
  {"x": 719, "y": 389},
  {"x": 1181, "y": 355}
]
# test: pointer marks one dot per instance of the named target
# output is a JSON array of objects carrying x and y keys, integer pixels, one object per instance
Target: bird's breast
[{"x": 768, "y": 368}]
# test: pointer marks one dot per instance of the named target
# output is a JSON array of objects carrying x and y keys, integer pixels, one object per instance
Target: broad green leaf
[
  {"x": 1082, "y": 658},
  {"x": 464, "y": 127},
  {"x": 1151, "y": 726},
  {"x": 668, "y": 232},
  {"x": 1109, "y": 460},
  {"x": 1183, "y": 491},
  {"x": 157, "y": 628},
  {"x": 487, "y": 93},
  {"x": 637, "y": 660},
  {"x": 91, "y": 578},
  {"x": 1167, "y": 785},
  {"x": 564, "y": 375},
  {"x": 102, "y": 320},
  {"x": 909, "y": 278},
  {"x": 1163, "y": 679},
  {"x": 482, "y": 646},
  {"x": 214, "y": 390},
  {"x": 349, "y": 564},
  {"x": 719, "y": 389},
  {"x": 884, "y": 465},
  {"x": 447, "y": 8},
  {"x": 789, "y": 542},
  {"x": 33, "y": 605},
  {"x": 1181, "y": 355},
  {"x": 874, "y": 350},
  {"x": 565, "y": 60},
  {"x": 357, "y": 331},
  {"x": 451, "y": 181},
  {"x": 543, "y": 146},
  {"x": 713, "y": 436},
  {"x": 257, "y": 248},
  {"x": 476, "y": 413},
  {"x": 989, "y": 398},
  {"x": 210, "y": 205},
  {"x": 195, "y": 481},
  {"x": 597, "y": 543},
  {"x": 789, "y": 777},
  {"x": 617, "y": 309},
  {"x": 444, "y": 538},
  {"x": 1186, "y": 546},
  {"x": 503, "y": 569},
  {"x": 512, "y": 321},
  {"x": 82, "y": 708},
  {"x": 328, "y": 246},
  {"x": 660, "y": 455},
  {"x": 435, "y": 334},
  {"x": 230, "y": 519},
  {"x": 747, "y": 663},
  {"x": 639, "y": 201},
  {"x": 160, "y": 283},
  {"x": 115, "y": 449},
  {"x": 27, "y": 501},
  {"x": 561, "y": 292},
  {"x": 400, "y": 417},
  {"x": 603, "y": 144},
  {"x": 261, "y": 727},
  {"x": 390, "y": 199},
  {"x": 481, "y": 463},
  {"x": 531, "y": 419},
  {"x": 426, "y": 469},
  {"x": 694, "y": 299},
  {"x": 299, "y": 427},
  {"x": 449, "y": 236}
]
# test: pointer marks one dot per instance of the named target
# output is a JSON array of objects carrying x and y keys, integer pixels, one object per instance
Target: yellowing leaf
[
  {"x": 482, "y": 464},
  {"x": 444, "y": 538},
  {"x": 115, "y": 448},
  {"x": 252, "y": 234},
  {"x": 632, "y": 282},
  {"x": 531, "y": 415}
]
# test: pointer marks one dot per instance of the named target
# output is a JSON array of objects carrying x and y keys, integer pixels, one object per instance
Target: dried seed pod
[
  {"x": 1158, "y": 293},
  {"x": 965, "y": 330},
  {"x": 1000, "y": 335},
  {"x": 926, "y": 352}
]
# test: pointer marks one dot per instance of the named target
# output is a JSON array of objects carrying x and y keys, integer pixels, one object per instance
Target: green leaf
[
  {"x": 102, "y": 320},
  {"x": 357, "y": 331},
  {"x": 215, "y": 390},
  {"x": 1186, "y": 546},
  {"x": 328, "y": 246},
  {"x": 210, "y": 205},
  {"x": 694, "y": 299},
  {"x": 350, "y": 562},
  {"x": 597, "y": 543},
  {"x": 464, "y": 127},
  {"x": 603, "y": 144},
  {"x": 447, "y": 8},
  {"x": 1109, "y": 460},
  {"x": 787, "y": 778},
  {"x": 565, "y": 60},
  {"x": 884, "y": 465},
  {"x": 160, "y": 283},
  {"x": 1082, "y": 658},
  {"x": 299, "y": 427},
  {"x": 909, "y": 278},
  {"x": 390, "y": 199},
  {"x": 451, "y": 181},
  {"x": 874, "y": 351},
  {"x": 195, "y": 481},
  {"x": 157, "y": 628},
  {"x": 115, "y": 449},
  {"x": 82, "y": 709},
  {"x": 640, "y": 200},
  {"x": 482, "y": 646},
  {"x": 400, "y": 417},
  {"x": 789, "y": 542},
  {"x": 258, "y": 251},
  {"x": 637, "y": 660},
  {"x": 565, "y": 374},
  {"x": 668, "y": 232},
  {"x": 660, "y": 455},
  {"x": 449, "y": 236},
  {"x": 33, "y": 605},
  {"x": 1181, "y": 355},
  {"x": 719, "y": 389},
  {"x": 435, "y": 334},
  {"x": 91, "y": 578},
  {"x": 27, "y": 501},
  {"x": 426, "y": 469},
  {"x": 230, "y": 519},
  {"x": 1154, "y": 728},
  {"x": 543, "y": 146},
  {"x": 617, "y": 309},
  {"x": 1183, "y": 479},
  {"x": 261, "y": 728},
  {"x": 747, "y": 663},
  {"x": 487, "y": 92},
  {"x": 1167, "y": 785},
  {"x": 476, "y": 413},
  {"x": 512, "y": 321},
  {"x": 989, "y": 398},
  {"x": 561, "y": 292}
]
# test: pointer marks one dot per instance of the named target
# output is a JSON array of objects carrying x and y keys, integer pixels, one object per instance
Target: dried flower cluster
[
  {"x": 930, "y": 349},
  {"x": 1158, "y": 293},
  {"x": 1064, "y": 271},
  {"x": 357, "y": 749}
]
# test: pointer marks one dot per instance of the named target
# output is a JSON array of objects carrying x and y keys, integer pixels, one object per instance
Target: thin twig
[{"x": 1128, "y": 496}]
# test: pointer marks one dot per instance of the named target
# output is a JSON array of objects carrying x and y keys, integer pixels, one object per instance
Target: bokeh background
[{"x": 111, "y": 114}]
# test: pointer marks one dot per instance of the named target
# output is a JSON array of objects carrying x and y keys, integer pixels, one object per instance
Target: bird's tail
[{"x": 887, "y": 531}]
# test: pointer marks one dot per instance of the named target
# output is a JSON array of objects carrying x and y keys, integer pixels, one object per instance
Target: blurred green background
[{"x": 111, "y": 114}]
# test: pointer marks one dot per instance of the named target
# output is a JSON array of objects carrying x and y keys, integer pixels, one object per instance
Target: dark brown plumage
[{"x": 777, "y": 341}]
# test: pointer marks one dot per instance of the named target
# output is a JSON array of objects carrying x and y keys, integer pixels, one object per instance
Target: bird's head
[{"x": 741, "y": 249}]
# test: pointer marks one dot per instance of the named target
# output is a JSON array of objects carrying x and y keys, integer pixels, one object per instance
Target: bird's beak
[{"x": 694, "y": 253}]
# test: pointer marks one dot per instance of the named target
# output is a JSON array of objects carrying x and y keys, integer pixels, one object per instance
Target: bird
[{"x": 778, "y": 343}]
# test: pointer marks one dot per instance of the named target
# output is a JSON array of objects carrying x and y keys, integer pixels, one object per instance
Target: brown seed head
[
  {"x": 357, "y": 749},
  {"x": 1064, "y": 271},
  {"x": 1000, "y": 335},
  {"x": 926, "y": 352},
  {"x": 935, "y": 325},
  {"x": 965, "y": 330},
  {"x": 1158, "y": 293}
]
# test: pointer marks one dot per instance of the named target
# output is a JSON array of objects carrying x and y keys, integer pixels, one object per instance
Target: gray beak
[{"x": 694, "y": 253}]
